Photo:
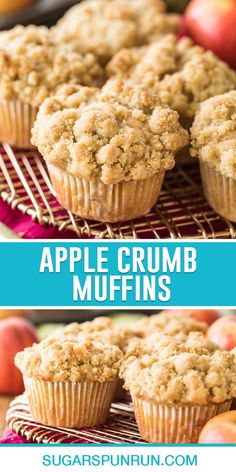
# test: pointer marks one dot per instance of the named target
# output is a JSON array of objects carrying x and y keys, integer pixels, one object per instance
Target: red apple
[
  {"x": 206, "y": 316},
  {"x": 15, "y": 335},
  {"x": 223, "y": 332},
  {"x": 220, "y": 429},
  {"x": 212, "y": 24}
]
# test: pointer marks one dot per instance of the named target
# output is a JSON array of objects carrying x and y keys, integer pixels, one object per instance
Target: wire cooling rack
[
  {"x": 181, "y": 211},
  {"x": 121, "y": 427}
]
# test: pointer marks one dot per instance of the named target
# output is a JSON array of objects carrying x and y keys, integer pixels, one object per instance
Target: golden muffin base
[
  {"x": 70, "y": 404},
  {"x": 220, "y": 191},
  {"x": 174, "y": 424},
  {"x": 16, "y": 122},
  {"x": 92, "y": 199}
]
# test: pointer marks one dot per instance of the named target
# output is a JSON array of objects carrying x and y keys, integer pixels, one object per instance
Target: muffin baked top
[
  {"x": 104, "y": 27},
  {"x": 70, "y": 360},
  {"x": 175, "y": 324},
  {"x": 101, "y": 329},
  {"x": 157, "y": 341},
  {"x": 100, "y": 323},
  {"x": 181, "y": 73},
  {"x": 182, "y": 375},
  {"x": 118, "y": 133},
  {"x": 33, "y": 66},
  {"x": 214, "y": 133}
]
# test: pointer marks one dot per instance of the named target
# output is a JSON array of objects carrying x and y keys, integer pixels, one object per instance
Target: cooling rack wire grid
[
  {"x": 121, "y": 427},
  {"x": 181, "y": 211}
]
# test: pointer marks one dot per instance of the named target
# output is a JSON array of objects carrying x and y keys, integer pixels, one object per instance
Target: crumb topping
[
  {"x": 157, "y": 341},
  {"x": 178, "y": 374},
  {"x": 172, "y": 325},
  {"x": 181, "y": 73},
  {"x": 70, "y": 360},
  {"x": 33, "y": 66},
  {"x": 214, "y": 133},
  {"x": 100, "y": 323},
  {"x": 114, "y": 136},
  {"x": 104, "y": 27},
  {"x": 101, "y": 329}
]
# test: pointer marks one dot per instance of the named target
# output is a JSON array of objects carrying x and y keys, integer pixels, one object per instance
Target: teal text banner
[{"x": 117, "y": 274}]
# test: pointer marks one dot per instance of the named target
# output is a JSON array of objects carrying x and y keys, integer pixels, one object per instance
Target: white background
[{"x": 28, "y": 459}]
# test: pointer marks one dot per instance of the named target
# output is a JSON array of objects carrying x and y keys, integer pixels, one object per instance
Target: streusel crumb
[
  {"x": 182, "y": 375},
  {"x": 33, "y": 66},
  {"x": 157, "y": 341},
  {"x": 99, "y": 324},
  {"x": 106, "y": 136},
  {"x": 120, "y": 337},
  {"x": 181, "y": 73},
  {"x": 104, "y": 27},
  {"x": 102, "y": 329},
  {"x": 174, "y": 324},
  {"x": 214, "y": 133},
  {"x": 70, "y": 360}
]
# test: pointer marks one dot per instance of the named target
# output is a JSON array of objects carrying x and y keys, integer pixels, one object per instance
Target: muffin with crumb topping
[
  {"x": 174, "y": 325},
  {"x": 104, "y": 27},
  {"x": 103, "y": 329},
  {"x": 159, "y": 340},
  {"x": 176, "y": 389},
  {"x": 181, "y": 73},
  {"x": 70, "y": 383},
  {"x": 33, "y": 67},
  {"x": 213, "y": 139},
  {"x": 97, "y": 325},
  {"x": 107, "y": 150}
]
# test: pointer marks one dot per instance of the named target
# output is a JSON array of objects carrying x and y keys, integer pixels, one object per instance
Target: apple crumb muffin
[
  {"x": 178, "y": 374},
  {"x": 33, "y": 67},
  {"x": 213, "y": 134},
  {"x": 158, "y": 340},
  {"x": 107, "y": 150},
  {"x": 181, "y": 73},
  {"x": 104, "y": 330},
  {"x": 213, "y": 141},
  {"x": 70, "y": 360},
  {"x": 70, "y": 382},
  {"x": 98, "y": 324},
  {"x": 178, "y": 324},
  {"x": 176, "y": 389},
  {"x": 117, "y": 133},
  {"x": 104, "y": 27}
]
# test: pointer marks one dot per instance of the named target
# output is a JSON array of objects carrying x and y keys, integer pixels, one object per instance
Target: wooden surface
[{"x": 4, "y": 403}]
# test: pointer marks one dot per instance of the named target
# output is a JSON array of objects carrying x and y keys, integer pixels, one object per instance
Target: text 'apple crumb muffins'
[
  {"x": 213, "y": 141},
  {"x": 70, "y": 383},
  {"x": 181, "y": 73},
  {"x": 177, "y": 389},
  {"x": 104, "y": 27},
  {"x": 107, "y": 150},
  {"x": 33, "y": 67}
]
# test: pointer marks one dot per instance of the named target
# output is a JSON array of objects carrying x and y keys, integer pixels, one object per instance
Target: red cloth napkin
[
  {"x": 26, "y": 228},
  {"x": 10, "y": 437}
]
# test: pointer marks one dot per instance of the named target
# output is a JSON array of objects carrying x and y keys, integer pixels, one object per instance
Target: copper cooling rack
[
  {"x": 181, "y": 211},
  {"x": 120, "y": 427}
]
